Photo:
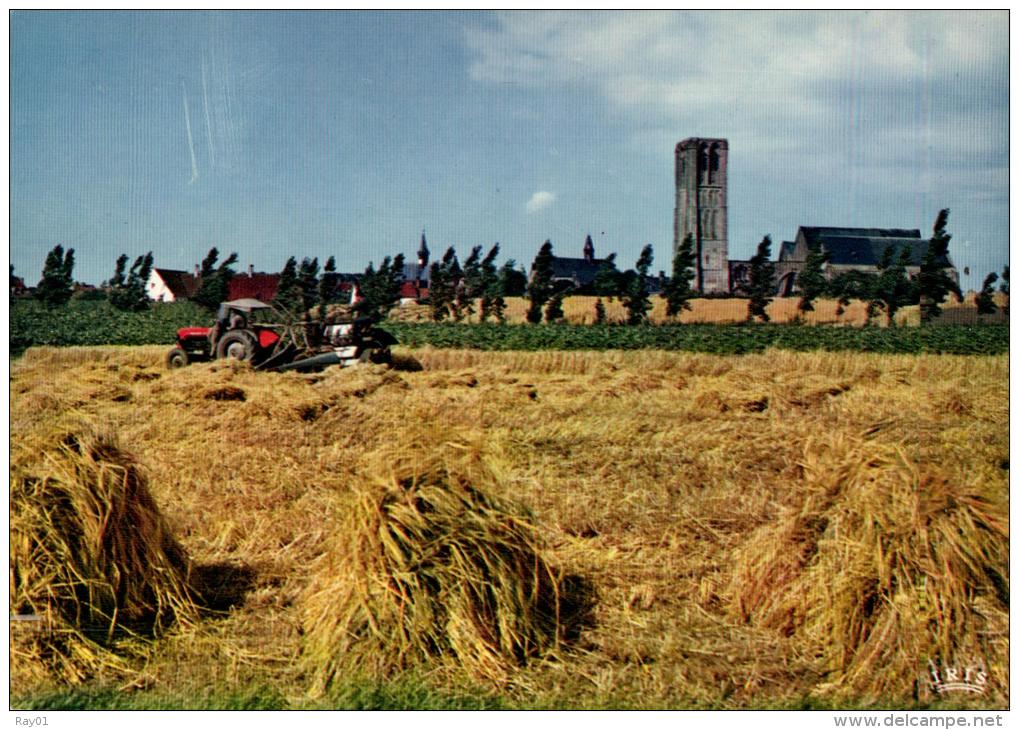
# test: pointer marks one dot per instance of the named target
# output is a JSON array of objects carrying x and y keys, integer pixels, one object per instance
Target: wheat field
[
  {"x": 581, "y": 310},
  {"x": 774, "y": 530}
]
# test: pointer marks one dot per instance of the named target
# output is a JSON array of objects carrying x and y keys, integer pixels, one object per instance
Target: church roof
[
  {"x": 581, "y": 271},
  {"x": 861, "y": 246},
  {"x": 868, "y": 251},
  {"x": 786, "y": 250},
  {"x": 812, "y": 233},
  {"x": 414, "y": 271}
]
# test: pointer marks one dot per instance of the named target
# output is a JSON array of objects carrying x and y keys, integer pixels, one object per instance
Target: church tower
[{"x": 702, "y": 209}]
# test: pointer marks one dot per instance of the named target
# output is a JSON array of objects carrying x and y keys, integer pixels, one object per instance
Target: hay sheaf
[
  {"x": 430, "y": 566},
  {"x": 93, "y": 563},
  {"x": 880, "y": 567}
]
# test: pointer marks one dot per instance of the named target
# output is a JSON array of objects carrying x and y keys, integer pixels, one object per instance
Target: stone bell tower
[{"x": 702, "y": 209}]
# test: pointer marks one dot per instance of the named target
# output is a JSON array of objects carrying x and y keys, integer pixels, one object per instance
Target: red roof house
[{"x": 260, "y": 286}]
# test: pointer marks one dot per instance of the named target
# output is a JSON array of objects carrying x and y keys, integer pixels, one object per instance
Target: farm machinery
[{"x": 253, "y": 331}]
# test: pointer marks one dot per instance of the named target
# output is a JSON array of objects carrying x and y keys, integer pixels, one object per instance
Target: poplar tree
[
  {"x": 677, "y": 291},
  {"x": 325, "y": 285},
  {"x": 307, "y": 276},
  {"x": 934, "y": 282},
  {"x": 811, "y": 280},
  {"x": 540, "y": 287},
  {"x": 606, "y": 279},
  {"x": 380, "y": 290},
  {"x": 891, "y": 288},
  {"x": 762, "y": 281},
  {"x": 214, "y": 286},
  {"x": 554, "y": 308},
  {"x": 492, "y": 302},
  {"x": 288, "y": 290},
  {"x": 441, "y": 285},
  {"x": 985, "y": 299},
  {"x": 635, "y": 296},
  {"x": 473, "y": 284},
  {"x": 57, "y": 283},
  {"x": 128, "y": 292},
  {"x": 512, "y": 281}
]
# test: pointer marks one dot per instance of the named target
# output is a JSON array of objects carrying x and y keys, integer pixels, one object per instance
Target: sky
[{"x": 350, "y": 133}]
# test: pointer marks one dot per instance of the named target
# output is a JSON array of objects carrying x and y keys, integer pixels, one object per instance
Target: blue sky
[{"x": 347, "y": 133}]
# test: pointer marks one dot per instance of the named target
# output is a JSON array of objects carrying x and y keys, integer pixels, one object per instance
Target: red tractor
[{"x": 244, "y": 331}]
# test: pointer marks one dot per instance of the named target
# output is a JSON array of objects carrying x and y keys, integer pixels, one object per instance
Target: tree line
[{"x": 455, "y": 289}]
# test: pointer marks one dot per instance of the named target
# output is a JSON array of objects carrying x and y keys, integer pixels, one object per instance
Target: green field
[
  {"x": 709, "y": 338},
  {"x": 97, "y": 323}
]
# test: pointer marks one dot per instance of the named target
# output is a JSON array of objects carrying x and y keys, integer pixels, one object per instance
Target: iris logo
[{"x": 971, "y": 677}]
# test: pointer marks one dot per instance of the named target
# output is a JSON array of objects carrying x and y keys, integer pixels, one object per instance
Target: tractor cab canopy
[
  {"x": 241, "y": 313},
  {"x": 243, "y": 305}
]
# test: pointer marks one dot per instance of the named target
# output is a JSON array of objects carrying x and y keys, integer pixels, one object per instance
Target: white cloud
[
  {"x": 540, "y": 200},
  {"x": 786, "y": 75},
  {"x": 857, "y": 118}
]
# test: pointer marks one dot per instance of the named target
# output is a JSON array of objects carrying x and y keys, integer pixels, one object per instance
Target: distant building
[
  {"x": 411, "y": 292},
  {"x": 417, "y": 273},
  {"x": 702, "y": 210},
  {"x": 849, "y": 249},
  {"x": 577, "y": 274},
  {"x": 18, "y": 288},
  {"x": 702, "y": 213},
  {"x": 253, "y": 285},
  {"x": 171, "y": 285}
]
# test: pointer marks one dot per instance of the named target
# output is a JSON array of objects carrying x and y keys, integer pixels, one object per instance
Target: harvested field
[
  {"x": 775, "y": 530},
  {"x": 581, "y": 310}
]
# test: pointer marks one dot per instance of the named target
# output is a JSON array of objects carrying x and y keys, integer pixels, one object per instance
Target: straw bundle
[
  {"x": 882, "y": 568},
  {"x": 429, "y": 565},
  {"x": 92, "y": 560}
]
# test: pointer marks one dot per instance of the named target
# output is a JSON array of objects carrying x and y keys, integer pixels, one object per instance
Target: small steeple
[
  {"x": 589, "y": 250},
  {"x": 423, "y": 252}
]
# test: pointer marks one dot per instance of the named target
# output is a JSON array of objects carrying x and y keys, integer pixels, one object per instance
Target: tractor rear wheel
[
  {"x": 176, "y": 358},
  {"x": 238, "y": 345},
  {"x": 380, "y": 355}
]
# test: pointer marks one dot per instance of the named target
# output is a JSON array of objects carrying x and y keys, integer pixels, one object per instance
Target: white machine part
[
  {"x": 349, "y": 352},
  {"x": 339, "y": 334}
]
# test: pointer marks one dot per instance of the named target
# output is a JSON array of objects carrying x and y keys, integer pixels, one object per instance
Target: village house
[
  {"x": 253, "y": 285},
  {"x": 171, "y": 285}
]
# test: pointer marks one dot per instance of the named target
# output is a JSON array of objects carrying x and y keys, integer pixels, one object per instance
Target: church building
[{"x": 702, "y": 212}]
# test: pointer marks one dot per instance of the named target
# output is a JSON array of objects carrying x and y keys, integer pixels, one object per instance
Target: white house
[{"x": 170, "y": 285}]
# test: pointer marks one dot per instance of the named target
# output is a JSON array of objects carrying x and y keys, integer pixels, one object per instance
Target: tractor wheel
[
  {"x": 380, "y": 356},
  {"x": 238, "y": 345},
  {"x": 176, "y": 358}
]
